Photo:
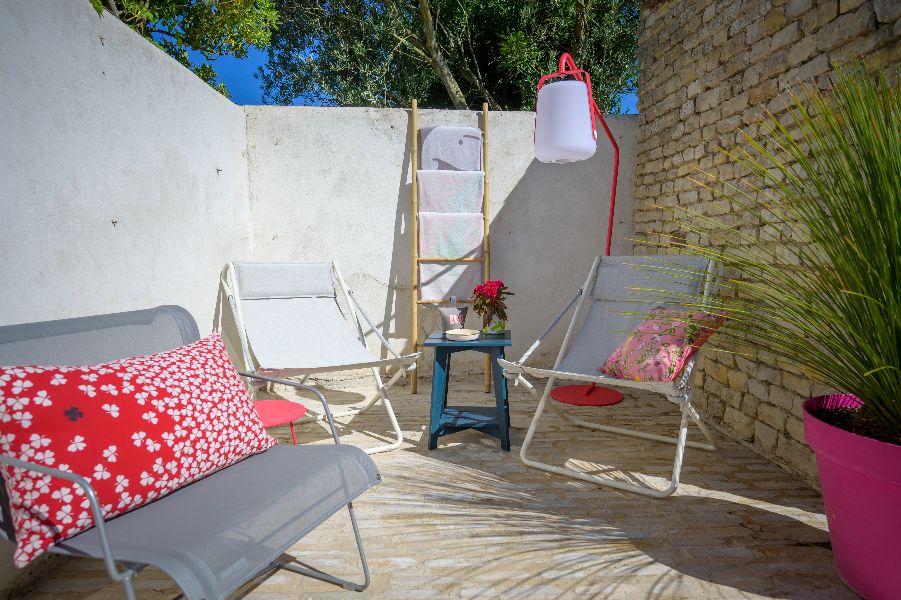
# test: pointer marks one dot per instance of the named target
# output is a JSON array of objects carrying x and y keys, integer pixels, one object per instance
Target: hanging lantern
[
  {"x": 566, "y": 118},
  {"x": 565, "y": 129}
]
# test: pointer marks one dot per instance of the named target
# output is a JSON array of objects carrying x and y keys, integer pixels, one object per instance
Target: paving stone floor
[{"x": 470, "y": 521}]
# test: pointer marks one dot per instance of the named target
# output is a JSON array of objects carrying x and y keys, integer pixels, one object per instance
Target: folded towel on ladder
[
  {"x": 451, "y": 148},
  {"x": 451, "y": 235},
  {"x": 440, "y": 281},
  {"x": 450, "y": 191}
]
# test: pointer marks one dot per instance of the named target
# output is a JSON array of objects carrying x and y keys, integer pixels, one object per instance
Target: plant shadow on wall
[{"x": 816, "y": 281}]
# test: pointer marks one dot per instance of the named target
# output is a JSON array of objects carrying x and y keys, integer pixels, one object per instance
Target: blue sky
[{"x": 245, "y": 88}]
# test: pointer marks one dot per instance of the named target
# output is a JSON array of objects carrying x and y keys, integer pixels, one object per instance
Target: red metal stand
[{"x": 589, "y": 395}]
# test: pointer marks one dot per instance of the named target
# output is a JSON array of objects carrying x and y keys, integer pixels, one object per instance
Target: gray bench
[{"x": 217, "y": 533}]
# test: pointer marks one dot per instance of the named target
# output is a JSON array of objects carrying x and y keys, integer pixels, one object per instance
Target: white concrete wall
[
  {"x": 335, "y": 183},
  {"x": 124, "y": 181}
]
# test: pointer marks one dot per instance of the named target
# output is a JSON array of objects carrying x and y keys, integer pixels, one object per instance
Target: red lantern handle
[{"x": 567, "y": 67}]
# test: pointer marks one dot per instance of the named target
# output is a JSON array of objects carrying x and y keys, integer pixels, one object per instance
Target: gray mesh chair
[
  {"x": 616, "y": 295},
  {"x": 290, "y": 324},
  {"x": 263, "y": 504}
]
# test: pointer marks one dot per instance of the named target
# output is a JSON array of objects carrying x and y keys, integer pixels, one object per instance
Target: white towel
[
  {"x": 451, "y": 148},
  {"x": 451, "y": 235},
  {"x": 440, "y": 281},
  {"x": 450, "y": 191}
]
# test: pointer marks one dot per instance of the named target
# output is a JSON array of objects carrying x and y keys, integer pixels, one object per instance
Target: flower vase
[{"x": 494, "y": 326}]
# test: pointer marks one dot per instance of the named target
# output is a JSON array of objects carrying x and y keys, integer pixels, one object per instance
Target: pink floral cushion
[
  {"x": 136, "y": 429},
  {"x": 658, "y": 348}
]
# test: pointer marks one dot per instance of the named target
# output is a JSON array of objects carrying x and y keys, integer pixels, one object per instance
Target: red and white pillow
[
  {"x": 659, "y": 347},
  {"x": 137, "y": 429}
]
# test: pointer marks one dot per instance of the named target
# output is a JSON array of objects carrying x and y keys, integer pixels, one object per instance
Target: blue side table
[{"x": 444, "y": 419}]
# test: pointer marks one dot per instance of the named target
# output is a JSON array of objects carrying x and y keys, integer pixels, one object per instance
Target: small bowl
[{"x": 462, "y": 335}]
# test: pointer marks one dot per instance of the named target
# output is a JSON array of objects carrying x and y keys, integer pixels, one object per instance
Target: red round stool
[{"x": 279, "y": 412}]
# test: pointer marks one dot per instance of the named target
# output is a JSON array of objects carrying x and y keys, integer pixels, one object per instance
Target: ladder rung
[
  {"x": 436, "y": 259},
  {"x": 442, "y": 302}
]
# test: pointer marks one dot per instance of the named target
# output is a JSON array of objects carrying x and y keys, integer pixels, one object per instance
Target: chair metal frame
[
  {"x": 405, "y": 363},
  {"x": 678, "y": 391}
]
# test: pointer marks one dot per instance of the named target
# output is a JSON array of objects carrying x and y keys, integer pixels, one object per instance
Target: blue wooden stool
[{"x": 444, "y": 419}]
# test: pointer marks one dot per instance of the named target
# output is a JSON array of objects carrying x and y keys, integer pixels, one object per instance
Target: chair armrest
[
  {"x": 299, "y": 386},
  {"x": 96, "y": 510}
]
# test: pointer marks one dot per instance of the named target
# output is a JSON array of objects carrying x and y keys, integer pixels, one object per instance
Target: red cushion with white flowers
[{"x": 137, "y": 429}]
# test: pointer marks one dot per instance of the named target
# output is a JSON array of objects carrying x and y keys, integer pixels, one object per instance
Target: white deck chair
[
  {"x": 616, "y": 286},
  {"x": 290, "y": 324}
]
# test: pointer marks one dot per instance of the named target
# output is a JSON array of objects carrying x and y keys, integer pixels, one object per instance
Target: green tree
[
  {"x": 213, "y": 28},
  {"x": 446, "y": 52}
]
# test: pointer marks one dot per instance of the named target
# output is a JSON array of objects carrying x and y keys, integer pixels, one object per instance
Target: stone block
[
  {"x": 741, "y": 424},
  {"x": 769, "y": 374},
  {"x": 709, "y": 12},
  {"x": 798, "y": 384},
  {"x": 845, "y": 28},
  {"x": 782, "y": 397},
  {"x": 795, "y": 428},
  {"x": 759, "y": 389},
  {"x": 760, "y": 49},
  {"x": 887, "y": 11},
  {"x": 802, "y": 50},
  {"x": 795, "y": 8},
  {"x": 785, "y": 36},
  {"x": 848, "y": 5},
  {"x": 745, "y": 364},
  {"x": 819, "y": 16},
  {"x": 753, "y": 32},
  {"x": 774, "y": 21},
  {"x": 694, "y": 88},
  {"x": 764, "y": 437},
  {"x": 749, "y": 404},
  {"x": 795, "y": 453},
  {"x": 763, "y": 93},
  {"x": 813, "y": 68},
  {"x": 771, "y": 415},
  {"x": 688, "y": 108},
  {"x": 750, "y": 77},
  {"x": 738, "y": 380},
  {"x": 708, "y": 100}
]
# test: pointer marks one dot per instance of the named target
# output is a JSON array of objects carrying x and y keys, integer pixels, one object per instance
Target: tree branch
[
  {"x": 114, "y": 10},
  {"x": 437, "y": 59},
  {"x": 583, "y": 8}
]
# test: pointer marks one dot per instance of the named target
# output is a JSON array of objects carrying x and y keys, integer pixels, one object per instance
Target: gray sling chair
[
  {"x": 217, "y": 533},
  {"x": 617, "y": 294},
  {"x": 291, "y": 324}
]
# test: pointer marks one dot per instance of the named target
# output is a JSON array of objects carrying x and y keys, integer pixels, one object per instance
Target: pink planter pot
[{"x": 861, "y": 480}]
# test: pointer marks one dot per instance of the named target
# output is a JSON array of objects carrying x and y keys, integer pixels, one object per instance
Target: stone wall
[{"x": 708, "y": 69}]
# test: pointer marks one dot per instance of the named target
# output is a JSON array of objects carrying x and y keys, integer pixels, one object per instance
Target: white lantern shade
[{"x": 563, "y": 123}]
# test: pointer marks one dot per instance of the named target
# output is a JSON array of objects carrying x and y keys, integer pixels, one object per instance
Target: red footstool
[{"x": 279, "y": 412}]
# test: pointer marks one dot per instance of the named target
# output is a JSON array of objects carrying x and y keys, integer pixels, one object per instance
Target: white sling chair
[
  {"x": 617, "y": 286},
  {"x": 290, "y": 324}
]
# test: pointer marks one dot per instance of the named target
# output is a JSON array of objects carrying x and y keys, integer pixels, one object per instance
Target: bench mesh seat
[{"x": 212, "y": 538}]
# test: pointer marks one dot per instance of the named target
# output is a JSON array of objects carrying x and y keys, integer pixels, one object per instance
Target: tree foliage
[
  {"x": 213, "y": 28},
  {"x": 446, "y": 52}
]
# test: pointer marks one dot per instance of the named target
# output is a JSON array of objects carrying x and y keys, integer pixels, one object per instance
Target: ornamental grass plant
[{"x": 811, "y": 249}]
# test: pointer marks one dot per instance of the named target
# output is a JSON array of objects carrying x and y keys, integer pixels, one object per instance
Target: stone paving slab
[{"x": 470, "y": 521}]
